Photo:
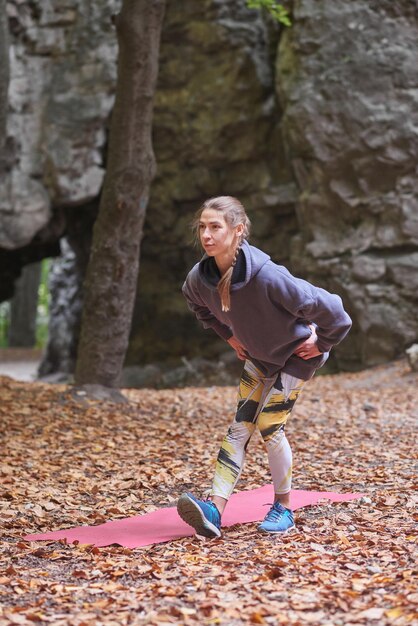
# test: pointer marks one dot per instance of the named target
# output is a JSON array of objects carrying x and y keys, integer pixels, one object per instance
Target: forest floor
[{"x": 66, "y": 464}]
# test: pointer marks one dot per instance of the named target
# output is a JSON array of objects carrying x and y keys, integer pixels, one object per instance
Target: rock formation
[
  {"x": 62, "y": 74},
  {"x": 346, "y": 79},
  {"x": 216, "y": 131},
  {"x": 312, "y": 127}
]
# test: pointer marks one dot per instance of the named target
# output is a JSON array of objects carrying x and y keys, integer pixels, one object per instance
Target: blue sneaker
[
  {"x": 278, "y": 520},
  {"x": 202, "y": 515}
]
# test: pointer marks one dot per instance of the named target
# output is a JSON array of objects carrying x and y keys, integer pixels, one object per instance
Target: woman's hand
[
  {"x": 308, "y": 349},
  {"x": 238, "y": 347}
]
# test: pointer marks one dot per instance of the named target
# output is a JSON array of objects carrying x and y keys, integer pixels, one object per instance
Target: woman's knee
[
  {"x": 240, "y": 432},
  {"x": 271, "y": 431}
]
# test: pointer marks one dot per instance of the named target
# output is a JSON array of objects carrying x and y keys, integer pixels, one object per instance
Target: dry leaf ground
[{"x": 64, "y": 464}]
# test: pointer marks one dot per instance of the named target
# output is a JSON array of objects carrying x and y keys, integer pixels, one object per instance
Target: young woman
[{"x": 282, "y": 327}]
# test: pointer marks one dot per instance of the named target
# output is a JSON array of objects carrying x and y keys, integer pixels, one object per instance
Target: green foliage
[
  {"x": 4, "y": 323},
  {"x": 276, "y": 10},
  {"x": 43, "y": 306}
]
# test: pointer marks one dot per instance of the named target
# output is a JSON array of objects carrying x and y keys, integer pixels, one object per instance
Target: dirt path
[{"x": 20, "y": 363}]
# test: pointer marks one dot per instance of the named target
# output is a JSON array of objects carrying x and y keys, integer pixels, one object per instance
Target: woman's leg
[
  {"x": 271, "y": 422},
  {"x": 231, "y": 456},
  {"x": 205, "y": 515}
]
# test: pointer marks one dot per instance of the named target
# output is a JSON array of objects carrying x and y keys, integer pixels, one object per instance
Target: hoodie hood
[{"x": 249, "y": 263}]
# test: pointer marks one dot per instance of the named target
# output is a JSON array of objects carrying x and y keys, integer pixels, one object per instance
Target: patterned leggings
[{"x": 266, "y": 403}]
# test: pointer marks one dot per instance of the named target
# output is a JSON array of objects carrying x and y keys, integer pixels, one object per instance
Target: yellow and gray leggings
[{"x": 266, "y": 403}]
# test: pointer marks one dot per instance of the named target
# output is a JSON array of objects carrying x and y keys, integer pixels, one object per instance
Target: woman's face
[{"x": 216, "y": 236}]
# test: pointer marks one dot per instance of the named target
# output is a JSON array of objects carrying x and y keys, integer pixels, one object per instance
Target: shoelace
[
  {"x": 205, "y": 498},
  {"x": 213, "y": 507},
  {"x": 275, "y": 512}
]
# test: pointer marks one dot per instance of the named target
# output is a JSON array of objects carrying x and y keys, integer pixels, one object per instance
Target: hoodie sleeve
[
  {"x": 327, "y": 311},
  {"x": 201, "y": 311},
  {"x": 314, "y": 304}
]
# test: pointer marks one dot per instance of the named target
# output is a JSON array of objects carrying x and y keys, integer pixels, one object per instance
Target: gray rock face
[
  {"x": 346, "y": 79},
  {"x": 412, "y": 355},
  {"x": 331, "y": 129},
  {"x": 66, "y": 303},
  {"x": 4, "y": 80},
  {"x": 65, "y": 314},
  {"x": 216, "y": 131},
  {"x": 62, "y": 75}
]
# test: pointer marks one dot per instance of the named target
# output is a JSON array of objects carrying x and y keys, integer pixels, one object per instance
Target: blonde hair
[{"x": 234, "y": 214}]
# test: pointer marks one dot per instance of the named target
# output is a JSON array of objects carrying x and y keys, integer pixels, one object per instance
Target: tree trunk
[
  {"x": 23, "y": 308},
  {"x": 4, "y": 78},
  {"x": 110, "y": 285}
]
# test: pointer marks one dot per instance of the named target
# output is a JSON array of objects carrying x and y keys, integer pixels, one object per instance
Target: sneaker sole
[
  {"x": 191, "y": 513},
  {"x": 277, "y": 532}
]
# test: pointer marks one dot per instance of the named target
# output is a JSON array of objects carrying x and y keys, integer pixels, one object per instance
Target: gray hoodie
[{"x": 270, "y": 312}]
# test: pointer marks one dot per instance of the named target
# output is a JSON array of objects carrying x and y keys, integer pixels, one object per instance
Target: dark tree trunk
[
  {"x": 110, "y": 285},
  {"x": 4, "y": 78},
  {"x": 23, "y": 308}
]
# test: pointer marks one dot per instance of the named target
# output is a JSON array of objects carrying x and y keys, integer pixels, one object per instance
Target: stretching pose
[{"x": 282, "y": 327}]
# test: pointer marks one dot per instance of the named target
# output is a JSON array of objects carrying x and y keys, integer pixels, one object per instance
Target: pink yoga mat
[{"x": 165, "y": 524}]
